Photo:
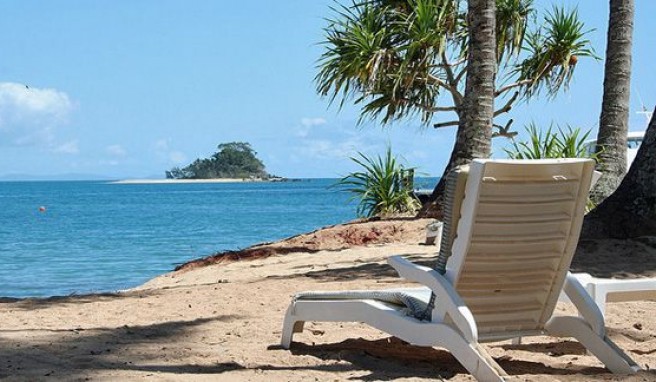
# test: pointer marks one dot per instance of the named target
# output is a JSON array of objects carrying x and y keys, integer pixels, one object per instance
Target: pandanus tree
[{"x": 400, "y": 59}]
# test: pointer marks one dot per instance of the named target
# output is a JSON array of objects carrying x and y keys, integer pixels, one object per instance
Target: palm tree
[
  {"x": 404, "y": 58},
  {"x": 478, "y": 100},
  {"x": 475, "y": 124},
  {"x": 614, "y": 119},
  {"x": 630, "y": 211}
]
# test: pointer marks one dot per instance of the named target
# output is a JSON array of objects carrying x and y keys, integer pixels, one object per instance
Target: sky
[{"x": 129, "y": 89}]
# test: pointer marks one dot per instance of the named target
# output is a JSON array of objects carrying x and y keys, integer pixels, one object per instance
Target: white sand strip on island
[{"x": 184, "y": 181}]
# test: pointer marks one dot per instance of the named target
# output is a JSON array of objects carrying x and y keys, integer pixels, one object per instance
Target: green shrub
[
  {"x": 561, "y": 144},
  {"x": 381, "y": 187}
]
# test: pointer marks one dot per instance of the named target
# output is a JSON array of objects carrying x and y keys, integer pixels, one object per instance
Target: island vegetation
[{"x": 235, "y": 160}]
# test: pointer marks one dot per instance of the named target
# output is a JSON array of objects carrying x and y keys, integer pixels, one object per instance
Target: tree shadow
[
  {"x": 551, "y": 348},
  {"x": 78, "y": 352},
  {"x": 616, "y": 258},
  {"x": 390, "y": 358},
  {"x": 352, "y": 272},
  {"x": 34, "y": 303}
]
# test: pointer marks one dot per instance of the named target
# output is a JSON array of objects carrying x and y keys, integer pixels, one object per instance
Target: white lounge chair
[
  {"x": 603, "y": 290},
  {"x": 516, "y": 235}
]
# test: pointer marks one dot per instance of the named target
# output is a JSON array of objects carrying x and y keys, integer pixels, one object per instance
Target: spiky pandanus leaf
[
  {"x": 569, "y": 143},
  {"x": 512, "y": 22},
  {"x": 384, "y": 55},
  {"x": 554, "y": 52},
  {"x": 379, "y": 187}
]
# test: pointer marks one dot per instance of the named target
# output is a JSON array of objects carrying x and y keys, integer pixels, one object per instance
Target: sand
[{"x": 222, "y": 322}]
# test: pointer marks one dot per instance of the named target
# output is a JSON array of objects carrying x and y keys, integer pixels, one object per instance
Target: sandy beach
[{"x": 222, "y": 321}]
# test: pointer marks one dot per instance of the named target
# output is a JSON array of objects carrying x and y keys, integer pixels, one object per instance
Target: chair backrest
[
  {"x": 454, "y": 193},
  {"x": 519, "y": 225}
]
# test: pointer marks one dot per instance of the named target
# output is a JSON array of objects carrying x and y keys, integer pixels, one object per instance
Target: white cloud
[
  {"x": 418, "y": 154},
  {"x": 177, "y": 157},
  {"x": 309, "y": 123},
  {"x": 116, "y": 151},
  {"x": 70, "y": 147},
  {"x": 326, "y": 149},
  {"x": 29, "y": 115},
  {"x": 166, "y": 153},
  {"x": 112, "y": 162},
  {"x": 334, "y": 144},
  {"x": 161, "y": 144}
]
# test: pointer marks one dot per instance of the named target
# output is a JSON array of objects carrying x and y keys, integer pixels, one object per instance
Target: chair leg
[
  {"x": 472, "y": 356},
  {"x": 601, "y": 346},
  {"x": 291, "y": 325},
  {"x": 599, "y": 296}
]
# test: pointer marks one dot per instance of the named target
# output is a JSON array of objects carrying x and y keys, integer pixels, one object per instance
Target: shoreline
[
  {"x": 222, "y": 322},
  {"x": 221, "y": 319}
]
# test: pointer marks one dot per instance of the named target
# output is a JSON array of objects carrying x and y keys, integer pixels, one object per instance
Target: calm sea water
[{"x": 96, "y": 236}]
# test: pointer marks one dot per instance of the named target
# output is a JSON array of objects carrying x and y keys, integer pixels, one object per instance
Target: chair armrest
[
  {"x": 584, "y": 303},
  {"x": 411, "y": 271},
  {"x": 448, "y": 301}
]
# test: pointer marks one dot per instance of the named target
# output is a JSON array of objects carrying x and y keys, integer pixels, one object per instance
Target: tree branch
[
  {"x": 455, "y": 94},
  {"x": 445, "y": 124},
  {"x": 506, "y": 108},
  {"x": 451, "y": 64},
  {"x": 512, "y": 86},
  {"x": 435, "y": 109},
  {"x": 448, "y": 70},
  {"x": 429, "y": 109},
  {"x": 462, "y": 73}
]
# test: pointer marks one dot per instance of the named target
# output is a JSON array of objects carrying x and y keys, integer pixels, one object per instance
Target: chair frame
[{"x": 452, "y": 324}]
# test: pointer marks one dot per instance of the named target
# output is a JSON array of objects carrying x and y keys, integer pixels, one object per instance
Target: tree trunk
[
  {"x": 631, "y": 210},
  {"x": 474, "y": 135},
  {"x": 614, "y": 119}
]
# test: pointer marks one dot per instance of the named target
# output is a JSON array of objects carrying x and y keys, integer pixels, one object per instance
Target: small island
[{"x": 232, "y": 161}]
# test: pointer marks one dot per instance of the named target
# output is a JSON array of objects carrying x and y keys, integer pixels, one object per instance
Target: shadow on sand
[
  {"x": 353, "y": 272},
  {"x": 390, "y": 358},
  {"x": 78, "y": 353}
]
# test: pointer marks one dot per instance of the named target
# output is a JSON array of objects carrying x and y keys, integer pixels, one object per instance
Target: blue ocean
[
  {"x": 98, "y": 236},
  {"x": 102, "y": 237}
]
